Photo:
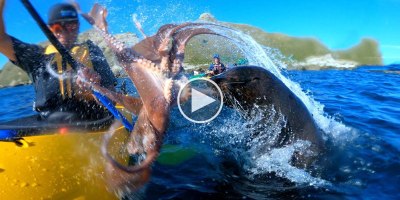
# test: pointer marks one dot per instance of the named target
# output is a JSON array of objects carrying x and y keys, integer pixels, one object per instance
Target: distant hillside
[
  {"x": 307, "y": 53},
  {"x": 12, "y": 75},
  {"x": 200, "y": 48},
  {"x": 365, "y": 53}
]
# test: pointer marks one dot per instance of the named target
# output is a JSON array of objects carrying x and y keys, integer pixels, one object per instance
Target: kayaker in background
[
  {"x": 60, "y": 99},
  {"x": 216, "y": 67}
]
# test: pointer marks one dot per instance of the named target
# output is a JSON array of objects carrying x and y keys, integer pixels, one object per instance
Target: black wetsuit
[{"x": 48, "y": 100}]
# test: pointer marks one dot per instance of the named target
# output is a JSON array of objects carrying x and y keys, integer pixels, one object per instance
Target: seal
[{"x": 252, "y": 88}]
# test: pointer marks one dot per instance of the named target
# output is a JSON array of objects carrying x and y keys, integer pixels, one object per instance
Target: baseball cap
[
  {"x": 62, "y": 12},
  {"x": 216, "y": 56}
]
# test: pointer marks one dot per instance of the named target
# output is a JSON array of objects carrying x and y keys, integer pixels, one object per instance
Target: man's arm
[{"x": 6, "y": 46}]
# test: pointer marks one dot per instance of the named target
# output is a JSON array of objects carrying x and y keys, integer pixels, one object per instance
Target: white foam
[
  {"x": 53, "y": 73},
  {"x": 252, "y": 144},
  {"x": 278, "y": 160}
]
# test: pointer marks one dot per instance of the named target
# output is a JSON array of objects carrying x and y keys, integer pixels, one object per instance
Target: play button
[
  {"x": 204, "y": 101},
  {"x": 200, "y": 100}
]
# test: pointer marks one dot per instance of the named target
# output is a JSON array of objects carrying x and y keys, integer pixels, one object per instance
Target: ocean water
[
  {"x": 361, "y": 160},
  {"x": 358, "y": 112}
]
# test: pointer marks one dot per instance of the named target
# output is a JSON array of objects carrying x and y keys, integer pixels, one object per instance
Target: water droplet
[{"x": 23, "y": 184}]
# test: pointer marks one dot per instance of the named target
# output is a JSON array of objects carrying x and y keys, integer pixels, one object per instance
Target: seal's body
[{"x": 250, "y": 87}]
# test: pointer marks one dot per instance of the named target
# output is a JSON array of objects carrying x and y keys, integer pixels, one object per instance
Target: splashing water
[
  {"x": 251, "y": 143},
  {"x": 278, "y": 161},
  {"x": 65, "y": 75},
  {"x": 53, "y": 73},
  {"x": 257, "y": 55}
]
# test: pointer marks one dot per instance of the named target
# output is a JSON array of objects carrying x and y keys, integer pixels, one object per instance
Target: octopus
[{"x": 155, "y": 67}]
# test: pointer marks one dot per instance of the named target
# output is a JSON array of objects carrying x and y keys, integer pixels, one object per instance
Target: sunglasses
[{"x": 64, "y": 26}]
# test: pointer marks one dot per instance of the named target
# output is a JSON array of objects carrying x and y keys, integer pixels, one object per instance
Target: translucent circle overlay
[{"x": 220, "y": 106}]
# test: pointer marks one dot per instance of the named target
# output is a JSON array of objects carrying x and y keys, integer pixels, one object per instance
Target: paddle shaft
[{"x": 103, "y": 99}]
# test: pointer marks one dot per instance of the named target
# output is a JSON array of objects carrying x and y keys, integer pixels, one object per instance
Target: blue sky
[{"x": 339, "y": 24}]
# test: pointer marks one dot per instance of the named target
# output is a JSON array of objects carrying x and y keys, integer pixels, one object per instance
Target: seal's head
[{"x": 245, "y": 84}]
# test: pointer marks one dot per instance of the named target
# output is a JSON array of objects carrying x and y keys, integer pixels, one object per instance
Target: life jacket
[{"x": 81, "y": 54}]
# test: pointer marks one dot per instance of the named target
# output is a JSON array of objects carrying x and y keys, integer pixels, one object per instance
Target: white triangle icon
[{"x": 199, "y": 100}]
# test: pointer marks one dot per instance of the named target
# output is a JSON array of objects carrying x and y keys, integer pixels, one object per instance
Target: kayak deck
[
  {"x": 32, "y": 125},
  {"x": 55, "y": 166}
]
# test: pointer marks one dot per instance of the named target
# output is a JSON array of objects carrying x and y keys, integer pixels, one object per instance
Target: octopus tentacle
[
  {"x": 159, "y": 45},
  {"x": 97, "y": 18},
  {"x": 132, "y": 104},
  {"x": 175, "y": 40},
  {"x": 151, "y": 153},
  {"x": 121, "y": 177}
]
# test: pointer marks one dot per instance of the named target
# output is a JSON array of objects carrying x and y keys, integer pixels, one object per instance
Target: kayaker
[
  {"x": 216, "y": 67},
  {"x": 57, "y": 98}
]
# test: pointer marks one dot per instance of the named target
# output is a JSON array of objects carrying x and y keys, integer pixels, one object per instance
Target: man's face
[
  {"x": 66, "y": 32},
  {"x": 216, "y": 60}
]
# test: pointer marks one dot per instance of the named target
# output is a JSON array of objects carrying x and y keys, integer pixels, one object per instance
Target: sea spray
[
  {"x": 257, "y": 55},
  {"x": 252, "y": 144},
  {"x": 278, "y": 160}
]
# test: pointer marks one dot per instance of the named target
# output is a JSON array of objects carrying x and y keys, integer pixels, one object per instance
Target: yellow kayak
[
  {"x": 66, "y": 164},
  {"x": 56, "y": 161},
  {"x": 55, "y": 166}
]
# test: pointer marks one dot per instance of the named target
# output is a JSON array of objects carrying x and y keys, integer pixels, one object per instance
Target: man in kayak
[
  {"x": 216, "y": 67},
  {"x": 60, "y": 98}
]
